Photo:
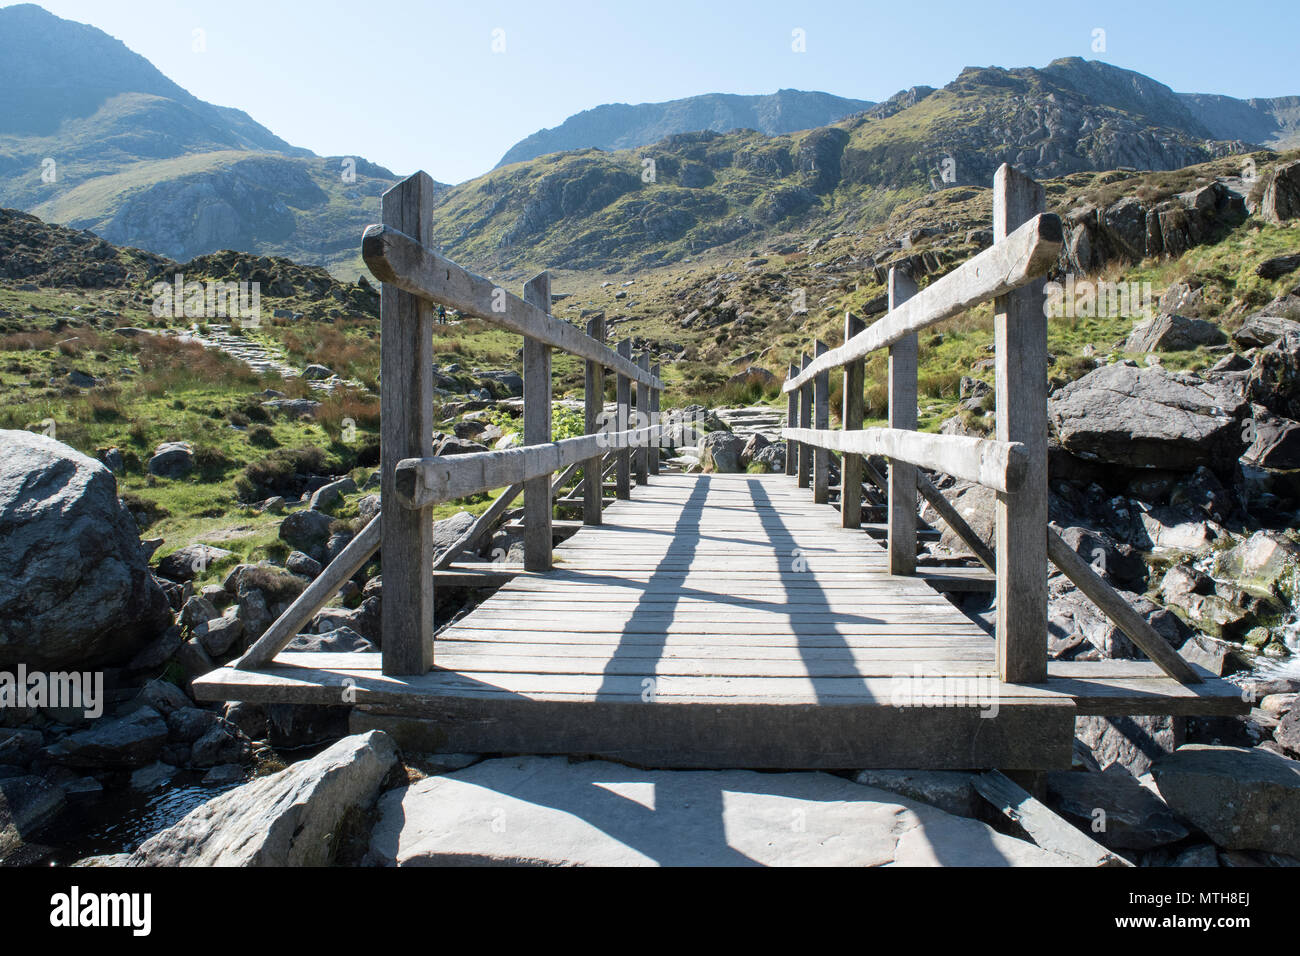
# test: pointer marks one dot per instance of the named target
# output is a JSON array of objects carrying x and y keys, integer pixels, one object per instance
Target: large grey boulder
[
  {"x": 173, "y": 459},
  {"x": 75, "y": 587},
  {"x": 549, "y": 811},
  {"x": 1172, "y": 333},
  {"x": 720, "y": 452},
  {"x": 1243, "y": 799},
  {"x": 1145, "y": 418},
  {"x": 447, "y": 531},
  {"x": 291, "y": 818},
  {"x": 130, "y": 741},
  {"x": 307, "y": 531}
]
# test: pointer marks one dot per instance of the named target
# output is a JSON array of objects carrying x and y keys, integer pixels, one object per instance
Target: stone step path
[
  {"x": 257, "y": 355},
  {"x": 763, "y": 419}
]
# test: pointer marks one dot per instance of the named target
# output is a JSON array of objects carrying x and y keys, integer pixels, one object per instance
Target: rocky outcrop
[
  {"x": 75, "y": 587},
  {"x": 1281, "y": 199},
  {"x": 292, "y": 818},
  {"x": 1131, "y": 229},
  {"x": 1274, "y": 380}
]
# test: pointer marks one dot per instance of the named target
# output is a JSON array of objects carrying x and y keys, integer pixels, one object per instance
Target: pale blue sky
[{"x": 417, "y": 85}]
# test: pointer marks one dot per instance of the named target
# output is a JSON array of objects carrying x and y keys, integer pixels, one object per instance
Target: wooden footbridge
[{"x": 720, "y": 620}]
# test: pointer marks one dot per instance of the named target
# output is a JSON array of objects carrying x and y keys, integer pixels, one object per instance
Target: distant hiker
[{"x": 442, "y": 315}]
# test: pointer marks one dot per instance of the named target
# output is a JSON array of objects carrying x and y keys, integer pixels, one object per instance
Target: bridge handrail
[
  {"x": 1027, "y": 244},
  {"x": 399, "y": 260},
  {"x": 413, "y": 279},
  {"x": 1016, "y": 261}
]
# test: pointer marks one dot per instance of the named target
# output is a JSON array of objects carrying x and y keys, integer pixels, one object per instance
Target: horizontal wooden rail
[
  {"x": 1026, "y": 254},
  {"x": 994, "y": 464},
  {"x": 427, "y": 481},
  {"x": 399, "y": 260}
]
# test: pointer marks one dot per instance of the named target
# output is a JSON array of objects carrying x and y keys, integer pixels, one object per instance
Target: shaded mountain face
[
  {"x": 620, "y": 126},
  {"x": 1271, "y": 122}
]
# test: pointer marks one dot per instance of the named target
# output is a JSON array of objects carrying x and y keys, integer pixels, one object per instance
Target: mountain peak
[{"x": 621, "y": 126}]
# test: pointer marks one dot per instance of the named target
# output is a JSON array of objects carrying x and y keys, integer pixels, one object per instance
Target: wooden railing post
[
  {"x": 537, "y": 431},
  {"x": 642, "y": 453},
  {"x": 851, "y": 419},
  {"x": 805, "y": 421},
  {"x": 902, "y": 414},
  {"x": 821, "y": 419},
  {"x": 1020, "y": 334},
  {"x": 623, "y": 395},
  {"x": 406, "y": 431},
  {"x": 593, "y": 405},
  {"x": 792, "y": 421},
  {"x": 655, "y": 395}
]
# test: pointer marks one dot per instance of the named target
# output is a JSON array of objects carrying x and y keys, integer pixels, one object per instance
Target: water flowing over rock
[{"x": 75, "y": 587}]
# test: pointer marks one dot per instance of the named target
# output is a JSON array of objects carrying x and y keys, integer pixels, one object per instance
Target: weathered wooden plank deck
[{"x": 724, "y": 620}]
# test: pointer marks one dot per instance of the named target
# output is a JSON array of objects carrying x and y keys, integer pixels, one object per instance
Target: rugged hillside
[
  {"x": 591, "y": 209},
  {"x": 139, "y": 161},
  {"x": 621, "y": 126},
  {"x": 95, "y": 137}
]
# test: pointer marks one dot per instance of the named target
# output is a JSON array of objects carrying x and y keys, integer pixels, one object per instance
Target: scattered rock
[
  {"x": 448, "y": 531},
  {"x": 1260, "y": 330},
  {"x": 306, "y": 531},
  {"x": 303, "y": 564},
  {"x": 341, "y": 640},
  {"x": 1132, "y": 742},
  {"x": 219, "y": 634},
  {"x": 152, "y": 777},
  {"x": 950, "y": 790},
  {"x": 1278, "y": 266},
  {"x": 327, "y": 496}
]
